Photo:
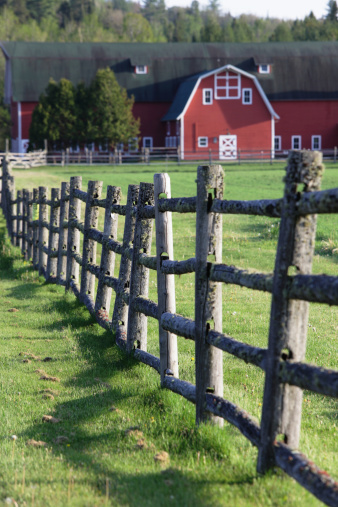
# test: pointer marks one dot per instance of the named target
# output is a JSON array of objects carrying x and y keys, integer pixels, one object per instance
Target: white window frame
[
  {"x": 147, "y": 140},
  {"x": 171, "y": 141},
  {"x": 264, "y": 68},
  {"x": 247, "y": 91},
  {"x": 313, "y": 140},
  {"x": 227, "y": 81},
  {"x": 74, "y": 148},
  {"x": 207, "y": 96},
  {"x": 293, "y": 140},
  {"x": 141, "y": 69},
  {"x": 278, "y": 143},
  {"x": 203, "y": 142}
]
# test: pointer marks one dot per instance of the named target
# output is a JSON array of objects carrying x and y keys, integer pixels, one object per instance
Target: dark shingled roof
[{"x": 300, "y": 70}]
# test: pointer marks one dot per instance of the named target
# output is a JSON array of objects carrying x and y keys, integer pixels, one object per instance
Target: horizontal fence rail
[{"x": 49, "y": 232}]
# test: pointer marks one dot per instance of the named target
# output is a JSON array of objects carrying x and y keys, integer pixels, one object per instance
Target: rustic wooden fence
[
  {"x": 52, "y": 241},
  {"x": 26, "y": 160}
]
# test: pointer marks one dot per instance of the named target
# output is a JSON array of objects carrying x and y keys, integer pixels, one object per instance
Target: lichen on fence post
[
  {"x": 89, "y": 245},
  {"x": 73, "y": 244},
  {"x": 63, "y": 233},
  {"x": 208, "y": 294},
  {"x": 43, "y": 231},
  {"x": 165, "y": 283},
  {"x": 53, "y": 241},
  {"x": 103, "y": 296},
  {"x": 29, "y": 251},
  {"x": 24, "y": 222},
  {"x": 282, "y": 403},
  {"x": 18, "y": 241},
  {"x": 35, "y": 228},
  {"x": 120, "y": 313},
  {"x": 139, "y": 278}
]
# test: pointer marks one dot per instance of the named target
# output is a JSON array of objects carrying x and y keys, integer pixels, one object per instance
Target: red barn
[{"x": 225, "y": 97}]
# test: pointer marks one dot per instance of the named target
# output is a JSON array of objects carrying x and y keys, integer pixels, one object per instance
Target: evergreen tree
[
  {"x": 39, "y": 9},
  {"x": 332, "y": 11},
  {"x": 110, "y": 111}
]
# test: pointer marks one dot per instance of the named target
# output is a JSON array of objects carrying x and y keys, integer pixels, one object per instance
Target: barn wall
[
  {"x": 251, "y": 123},
  {"x": 150, "y": 115},
  {"x": 307, "y": 118}
]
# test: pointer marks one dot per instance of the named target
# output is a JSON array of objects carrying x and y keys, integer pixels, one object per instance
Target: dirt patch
[
  {"x": 36, "y": 443},
  {"x": 50, "y": 419}
]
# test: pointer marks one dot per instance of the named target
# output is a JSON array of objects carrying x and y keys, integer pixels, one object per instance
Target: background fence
[{"x": 49, "y": 231}]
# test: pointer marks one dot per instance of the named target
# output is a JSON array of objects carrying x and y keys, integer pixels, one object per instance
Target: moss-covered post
[
  {"x": 53, "y": 241},
  {"x": 24, "y": 222},
  {"x": 73, "y": 244},
  {"x": 120, "y": 314},
  {"x": 282, "y": 403},
  {"x": 89, "y": 245},
  {"x": 208, "y": 294},
  {"x": 103, "y": 296},
  {"x": 63, "y": 233},
  {"x": 165, "y": 283},
  {"x": 35, "y": 228},
  {"x": 29, "y": 252},
  {"x": 43, "y": 231},
  {"x": 18, "y": 241},
  {"x": 139, "y": 279}
]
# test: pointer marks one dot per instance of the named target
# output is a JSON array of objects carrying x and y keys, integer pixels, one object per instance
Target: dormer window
[
  {"x": 264, "y": 68},
  {"x": 141, "y": 69}
]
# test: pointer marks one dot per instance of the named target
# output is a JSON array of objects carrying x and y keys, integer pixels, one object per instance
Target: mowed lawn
[{"x": 109, "y": 410}]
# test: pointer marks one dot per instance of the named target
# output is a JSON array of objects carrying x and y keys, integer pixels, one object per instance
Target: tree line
[
  {"x": 69, "y": 116},
  {"x": 151, "y": 21}
]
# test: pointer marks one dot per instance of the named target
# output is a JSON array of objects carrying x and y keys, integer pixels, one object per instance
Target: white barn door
[{"x": 227, "y": 147}]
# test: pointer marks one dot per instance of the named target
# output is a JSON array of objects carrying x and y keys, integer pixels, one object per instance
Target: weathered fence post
[
  {"x": 43, "y": 231},
  {"x": 89, "y": 245},
  {"x": 208, "y": 295},
  {"x": 103, "y": 296},
  {"x": 29, "y": 251},
  {"x": 120, "y": 314},
  {"x": 18, "y": 241},
  {"x": 165, "y": 283},
  {"x": 139, "y": 279},
  {"x": 25, "y": 197},
  {"x": 63, "y": 233},
  {"x": 73, "y": 244},
  {"x": 35, "y": 228},
  {"x": 53, "y": 241},
  {"x": 282, "y": 404}
]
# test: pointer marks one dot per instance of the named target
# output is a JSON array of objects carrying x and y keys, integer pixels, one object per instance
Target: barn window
[
  {"x": 171, "y": 141},
  {"x": 207, "y": 96},
  {"x": 202, "y": 142},
  {"x": 227, "y": 85},
  {"x": 247, "y": 96},
  {"x": 133, "y": 144},
  {"x": 141, "y": 69},
  {"x": 278, "y": 143},
  {"x": 264, "y": 68},
  {"x": 296, "y": 142},
  {"x": 148, "y": 142},
  {"x": 316, "y": 142}
]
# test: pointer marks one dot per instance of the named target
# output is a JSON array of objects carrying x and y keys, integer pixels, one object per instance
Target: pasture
[{"x": 102, "y": 394}]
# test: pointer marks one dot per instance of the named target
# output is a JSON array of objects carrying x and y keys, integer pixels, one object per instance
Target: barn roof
[{"x": 300, "y": 70}]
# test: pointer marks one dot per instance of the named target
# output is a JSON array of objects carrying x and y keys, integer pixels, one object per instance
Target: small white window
[
  {"x": 296, "y": 143},
  {"x": 207, "y": 96},
  {"x": 90, "y": 146},
  {"x": 264, "y": 68},
  {"x": 104, "y": 146},
  {"x": 247, "y": 96},
  {"x": 148, "y": 142},
  {"x": 278, "y": 143},
  {"x": 75, "y": 148},
  {"x": 202, "y": 142},
  {"x": 316, "y": 142},
  {"x": 141, "y": 69},
  {"x": 171, "y": 141}
]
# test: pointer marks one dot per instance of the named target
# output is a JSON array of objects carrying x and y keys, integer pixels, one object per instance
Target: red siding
[
  {"x": 27, "y": 109},
  {"x": 250, "y": 122},
  {"x": 150, "y": 116},
  {"x": 306, "y": 119}
]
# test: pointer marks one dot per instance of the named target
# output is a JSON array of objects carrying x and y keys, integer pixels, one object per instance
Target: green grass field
[{"x": 111, "y": 411}]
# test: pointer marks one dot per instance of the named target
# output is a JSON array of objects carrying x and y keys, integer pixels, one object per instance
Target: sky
[{"x": 285, "y": 9}]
